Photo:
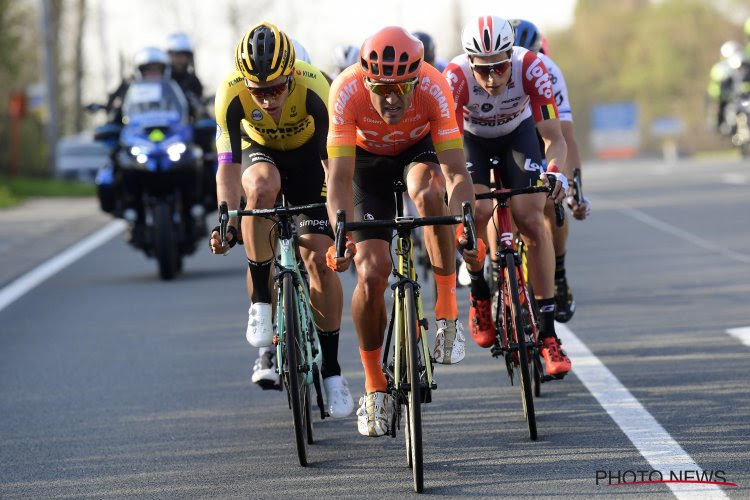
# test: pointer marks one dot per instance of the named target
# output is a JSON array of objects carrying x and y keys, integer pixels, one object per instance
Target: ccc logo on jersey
[{"x": 374, "y": 140}]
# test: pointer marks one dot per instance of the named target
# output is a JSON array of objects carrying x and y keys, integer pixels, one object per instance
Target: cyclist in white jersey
[
  {"x": 505, "y": 94},
  {"x": 529, "y": 37}
]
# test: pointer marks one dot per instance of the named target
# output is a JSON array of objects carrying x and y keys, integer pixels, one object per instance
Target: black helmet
[
  {"x": 264, "y": 53},
  {"x": 429, "y": 46}
]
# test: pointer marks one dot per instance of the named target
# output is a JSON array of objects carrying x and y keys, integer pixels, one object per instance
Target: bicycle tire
[
  {"x": 415, "y": 398},
  {"x": 527, "y": 398},
  {"x": 295, "y": 385}
]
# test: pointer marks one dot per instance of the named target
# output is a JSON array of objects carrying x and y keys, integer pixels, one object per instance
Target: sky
[{"x": 118, "y": 29}]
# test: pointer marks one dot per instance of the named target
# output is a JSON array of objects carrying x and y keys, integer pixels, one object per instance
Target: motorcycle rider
[{"x": 720, "y": 87}]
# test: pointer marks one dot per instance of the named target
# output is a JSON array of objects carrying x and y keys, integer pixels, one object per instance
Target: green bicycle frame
[{"x": 287, "y": 262}]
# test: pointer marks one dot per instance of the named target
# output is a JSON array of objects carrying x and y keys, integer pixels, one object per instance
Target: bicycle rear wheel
[
  {"x": 527, "y": 397},
  {"x": 294, "y": 380},
  {"x": 414, "y": 412}
]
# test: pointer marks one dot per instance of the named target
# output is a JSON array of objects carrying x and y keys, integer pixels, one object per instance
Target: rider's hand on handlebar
[
  {"x": 342, "y": 263},
  {"x": 581, "y": 211},
  {"x": 214, "y": 243},
  {"x": 561, "y": 186},
  {"x": 472, "y": 257}
]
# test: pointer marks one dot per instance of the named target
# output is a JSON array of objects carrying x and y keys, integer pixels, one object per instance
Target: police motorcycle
[
  {"x": 155, "y": 181},
  {"x": 737, "y": 110}
]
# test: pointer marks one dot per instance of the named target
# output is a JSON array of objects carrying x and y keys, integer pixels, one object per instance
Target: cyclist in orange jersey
[{"x": 393, "y": 117}]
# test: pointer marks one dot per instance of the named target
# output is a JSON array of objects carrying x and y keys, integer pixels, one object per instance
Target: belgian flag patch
[{"x": 549, "y": 112}]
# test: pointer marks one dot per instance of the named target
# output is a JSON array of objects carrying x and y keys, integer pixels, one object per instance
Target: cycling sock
[
  {"x": 547, "y": 313},
  {"x": 329, "y": 346},
  {"x": 374, "y": 378},
  {"x": 263, "y": 350},
  {"x": 445, "y": 305},
  {"x": 559, "y": 266},
  {"x": 259, "y": 273},
  {"x": 480, "y": 290}
]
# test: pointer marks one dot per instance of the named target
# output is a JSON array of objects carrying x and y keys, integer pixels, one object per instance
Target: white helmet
[
  {"x": 179, "y": 42},
  {"x": 728, "y": 49},
  {"x": 150, "y": 55},
  {"x": 344, "y": 56},
  {"x": 300, "y": 52},
  {"x": 487, "y": 36}
]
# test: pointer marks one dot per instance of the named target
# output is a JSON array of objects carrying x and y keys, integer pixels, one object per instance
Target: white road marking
[
  {"x": 646, "y": 434},
  {"x": 16, "y": 289},
  {"x": 743, "y": 334},
  {"x": 734, "y": 178},
  {"x": 685, "y": 235}
]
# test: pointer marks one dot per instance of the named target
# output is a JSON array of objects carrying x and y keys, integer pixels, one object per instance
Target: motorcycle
[
  {"x": 741, "y": 136},
  {"x": 155, "y": 181}
]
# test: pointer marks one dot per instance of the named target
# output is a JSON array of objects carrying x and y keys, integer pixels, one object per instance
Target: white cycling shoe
[
  {"x": 264, "y": 371},
  {"x": 260, "y": 325},
  {"x": 373, "y": 414},
  {"x": 449, "y": 342},
  {"x": 339, "y": 403}
]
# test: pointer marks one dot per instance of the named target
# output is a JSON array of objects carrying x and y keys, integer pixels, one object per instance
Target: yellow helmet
[{"x": 264, "y": 53}]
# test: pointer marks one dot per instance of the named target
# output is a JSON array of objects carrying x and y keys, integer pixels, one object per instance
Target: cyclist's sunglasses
[
  {"x": 385, "y": 89},
  {"x": 499, "y": 68},
  {"x": 274, "y": 91}
]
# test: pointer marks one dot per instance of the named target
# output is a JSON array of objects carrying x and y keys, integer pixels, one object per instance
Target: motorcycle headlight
[{"x": 175, "y": 151}]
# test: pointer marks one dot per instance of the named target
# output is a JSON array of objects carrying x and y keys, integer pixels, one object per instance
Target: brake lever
[
  {"x": 340, "y": 233},
  {"x": 223, "y": 222},
  {"x": 469, "y": 227}
]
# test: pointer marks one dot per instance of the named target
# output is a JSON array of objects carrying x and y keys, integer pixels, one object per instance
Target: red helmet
[
  {"x": 544, "y": 49},
  {"x": 391, "y": 55}
]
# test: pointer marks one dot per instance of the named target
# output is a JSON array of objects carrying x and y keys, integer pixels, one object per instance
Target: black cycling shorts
[
  {"x": 374, "y": 175},
  {"x": 302, "y": 181},
  {"x": 518, "y": 153}
]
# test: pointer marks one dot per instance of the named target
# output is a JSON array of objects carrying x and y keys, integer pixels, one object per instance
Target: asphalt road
[{"x": 115, "y": 384}]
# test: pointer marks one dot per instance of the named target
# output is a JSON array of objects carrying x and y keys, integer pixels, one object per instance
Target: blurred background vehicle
[{"x": 79, "y": 157}]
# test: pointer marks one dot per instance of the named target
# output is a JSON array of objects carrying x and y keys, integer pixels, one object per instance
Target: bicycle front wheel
[
  {"x": 293, "y": 378},
  {"x": 414, "y": 413},
  {"x": 517, "y": 318}
]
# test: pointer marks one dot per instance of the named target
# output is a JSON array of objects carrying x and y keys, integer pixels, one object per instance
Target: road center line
[
  {"x": 17, "y": 288},
  {"x": 685, "y": 235},
  {"x": 646, "y": 434}
]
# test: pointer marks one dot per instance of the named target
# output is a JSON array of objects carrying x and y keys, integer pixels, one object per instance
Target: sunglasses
[
  {"x": 385, "y": 89},
  {"x": 273, "y": 91},
  {"x": 498, "y": 68}
]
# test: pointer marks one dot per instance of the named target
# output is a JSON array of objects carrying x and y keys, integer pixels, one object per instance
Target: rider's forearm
[
  {"x": 460, "y": 189},
  {"x": 573, "y": 158},
  {"x": 457, "y": 179},
  {"x": 556, "y": 151},
  {"x": 229, "y": 185},
  {"x": 340, "y": 178}
]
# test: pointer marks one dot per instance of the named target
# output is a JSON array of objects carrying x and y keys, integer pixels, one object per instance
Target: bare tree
[{"x": 78, "y": 65}]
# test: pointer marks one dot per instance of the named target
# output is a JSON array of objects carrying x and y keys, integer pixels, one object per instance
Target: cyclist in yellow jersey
[{"x": 272, "y": 122}]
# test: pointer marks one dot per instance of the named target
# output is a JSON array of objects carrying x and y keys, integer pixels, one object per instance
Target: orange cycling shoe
[
  {"x": 555, "y": 359},
  {"x": 480, "y": 322}
]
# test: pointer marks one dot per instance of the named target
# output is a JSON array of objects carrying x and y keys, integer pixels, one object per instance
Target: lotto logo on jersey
[{"x": 535, "y": 73}]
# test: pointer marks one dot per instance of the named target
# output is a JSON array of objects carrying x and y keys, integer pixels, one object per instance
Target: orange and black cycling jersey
[
  {"x": 303, "y": 117},
  {"x": 355, "y": 122}
]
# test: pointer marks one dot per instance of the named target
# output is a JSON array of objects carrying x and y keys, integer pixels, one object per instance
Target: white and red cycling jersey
[
  {"x": 559, "y": 88},
  {"x": 528, "y": 93}
]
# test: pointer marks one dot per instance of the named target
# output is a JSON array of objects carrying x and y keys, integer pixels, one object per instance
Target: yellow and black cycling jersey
[{"x": 242, "y": 123}]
